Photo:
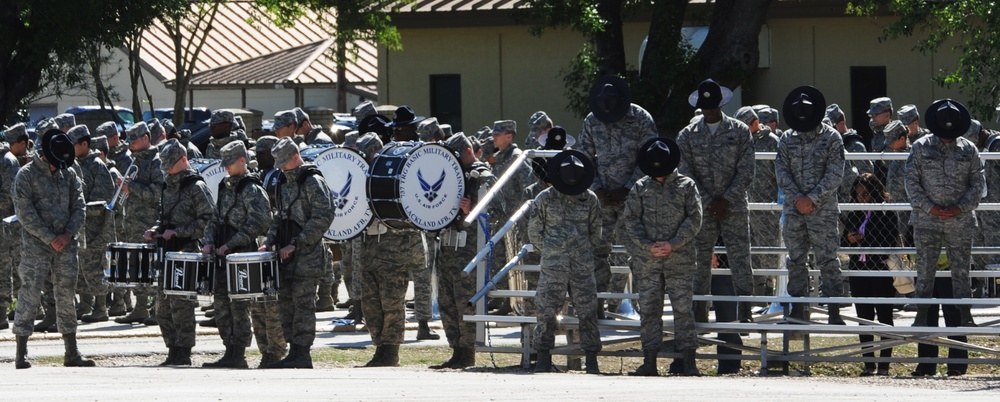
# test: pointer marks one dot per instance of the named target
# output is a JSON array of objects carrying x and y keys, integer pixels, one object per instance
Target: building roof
[
  {"x": 238, "y": 54},
  {"x": 461, "y": 5}
]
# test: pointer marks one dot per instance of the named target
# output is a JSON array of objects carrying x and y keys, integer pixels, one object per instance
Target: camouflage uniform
[
  {"x": 309, "y": 205},
  {"x": 454, "y": 287},
  {"x": 420, "y": 274},
  {"x": 989, "y": 221},
  {"x": 811, "y": 164},
  {"x": 765, "y": 228},
  {"x": 853, "y": 143},
  {"x": 316, "y": 136},
  {"x": 508, "y": 200},
  {"x": 97, "y": 186},
  {"x": 669, "y": 211},
  {"x": 895, "y": 185},
  {"x": 381, "y": 261},
  {"x": 939, "y": 174},
  {"x": 722, "y": 165},
  {"x": 215, "y": 144},
  {"x": 613, "y": 148},
  {"x": 534, "y": 257},
  {"x": 48, "y": 204},
  {"x": 566, "y": 229},
  {"x": 246, "y": 213},
  {"x": 187, "y": 210},
  {"x": 139, "y": 212},
  {"x": 9, "y": 233}
]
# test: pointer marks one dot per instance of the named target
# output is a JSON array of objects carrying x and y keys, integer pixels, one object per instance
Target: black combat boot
[
  {"x": 237, "y": 359},
  {"x": 690, "y": 364},
  {"x": 293, "y": 353},
  {"x": 21, "y": 361},
  {"x": 183, "y": 357},
  {"x": 591, "y": 361},
  {"x": 456, "y": 353},
  {"x": 222, "y": 361},
  {"x": 965, "y": 312},
  {"x": 171, "y": 356},
  {"x": 325, "y": 300},
  {"x": 921, "y": 319},
  {"x": 99, "y": 312},
  {"x": 302, "y": 359},
  {"x": 648, "y": 367},
  {"x": 544, "y": 363},
  {"x": 390, "y": 357},
  {"x": 48, "y": 322},
  {"x": 425, "y": 333},
  {"x": 745, "y": 313},
  {"x": 379, "y": 352},
  {"x": 72, "y": 357},
  {"x": 833, "y": 313},
  {"x": 466, "y": 358}
]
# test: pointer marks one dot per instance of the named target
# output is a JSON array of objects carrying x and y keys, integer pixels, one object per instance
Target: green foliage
[
  {"x": 965, "y": 27},
  {"x": 577, "y": 77}
]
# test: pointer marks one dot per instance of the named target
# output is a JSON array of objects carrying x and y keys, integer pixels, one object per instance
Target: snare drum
[
  {"x": 188, "y": 274},
  {"x": 344, "y": 170},
  {"x": 130, "y": 264},
  {"x": 213, "y": 172},
  {"x": 252, "y": 275},
  {"x": 416, "y": 185}
]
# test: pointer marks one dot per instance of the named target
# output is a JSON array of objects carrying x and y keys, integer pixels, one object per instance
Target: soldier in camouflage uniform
[
  {"x": 989, "y": 221},
  {"x": 945, "y": 181},
  {"x": 810, "y": 167},
  {"x": 381, "y": 258},
  {"x": 450, "y": 255},
  {"x": 312, "y": 134},
  {"x": 765, "y": 229},
  {"x": 142, "y": 208},
  {"x": 430, "y": 131},
  {"x": 107, "y": 131},
  {"x": 611, "y": 136},
  {"x": 186, "y": 209},
  {"x": 768, "y": 118},
  {"x": 223, "y": 130},
  {"x": 853, "y": 142},
  {"x": 879, "y": 114},
  {"x": 118, "y": 151},
  {"x": 507, "y": 200},
  {"x": 48, "y": 199},
  {"x": 539, "y": 123},
  {"x": 717, "y": 152},
  {"x": 97, "y": 191},
  {"x": 305, "y": 211},
  {"x": 566, "y": 226},
  {"x": 895, "y": 176},
  {"x": 662, "y": 216},
  {"x": 184, "y": 136},
  {"x": 16, "y": 138},
  {"x": 242, "y": 214},
  {"x": 264, "y": 315},
  {"x": 284, "y": 124}
]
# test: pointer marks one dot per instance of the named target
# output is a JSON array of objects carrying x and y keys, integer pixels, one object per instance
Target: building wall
[{"x": 505, "y": 72}]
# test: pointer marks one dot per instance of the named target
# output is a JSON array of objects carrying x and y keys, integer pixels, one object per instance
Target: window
[{"x": 446, "y": 100}]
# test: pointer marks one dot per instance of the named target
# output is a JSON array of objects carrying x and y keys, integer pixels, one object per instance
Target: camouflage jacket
[
  {"x": 192, "y": 151},
  {"x": 879, "y": 142},
  {"x": 143, "y": 205},
  {"x": 97, "y": 186},
  {"x": 943, "y": 175},
  {"x": 247, "y": 212},
  {"x": 895, "y": 176},
  {"x": 185, "y": 208},
  {"x": 215, "y": 144},
  {"x": 48, "y": 204},
  {"x": 122, "y": 157},
  {"x": 476, "y": 176},
  {"x": 721, "y": 164},
  {"x": 992, "y": 168},
  {"x": 565, "y": 229},
  {"x": 810, "y": 164},
  {"x": 764, "y": 187},
  {"x": 309, "y": 205},
  {"x": 316, "y": 136},
  {"x": 510, "y": 196},
  {"x": 668, "y": 211},
  {"x": 8, "y": 170},
  {"x": 614, "y": 147},
  {"x": 852, "y": 169}
]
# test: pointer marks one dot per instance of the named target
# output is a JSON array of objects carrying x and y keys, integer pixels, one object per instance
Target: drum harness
[{"x": 285, "y": 230}]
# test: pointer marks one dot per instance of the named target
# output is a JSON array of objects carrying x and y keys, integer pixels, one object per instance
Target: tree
[
  {"x": 187, "y": 25},
  {"x": 670, "y": 68},
  {"x": 967, "y": 27},
  {"x": 354, "y": 21},
  {"x": 43, "y": 43}
]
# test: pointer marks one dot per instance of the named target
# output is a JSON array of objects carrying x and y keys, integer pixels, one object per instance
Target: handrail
[
  {"x": 527, "y": 248},
  {"x": 852, "y": 206},
  {"x": 514, "y": 167},
  {"x": 884, "y": 156},
  {"x": 499, "y": 235}
]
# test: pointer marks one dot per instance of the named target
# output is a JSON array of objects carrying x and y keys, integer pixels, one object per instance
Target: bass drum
[
  {"x": 213, "y": 172},
  {"x": 344, "y": 170},
  {"x": 415, "y": 185}
]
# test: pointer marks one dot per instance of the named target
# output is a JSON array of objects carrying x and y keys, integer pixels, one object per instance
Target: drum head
[
  {"x": 213, "y": 172},
  {"x": 344, "y": 170},
  {"x": 431, "y": 185}
]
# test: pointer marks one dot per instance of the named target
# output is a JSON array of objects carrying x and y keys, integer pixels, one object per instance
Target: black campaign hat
[
  {"x": 947, "y": 118},
  {"x": 377, "y": 124},
  {"x": 610, "y": 98},
  {"x": 571, "y": 172},
  {"x": 804, "y": 108},
  {"x": 659, "y": 157},
  {"x": 58, "y": 149},
  {"x": 710, "y": 95},
  {"x": 555, "y": 141},
  {"x": 405, "y": 116}
]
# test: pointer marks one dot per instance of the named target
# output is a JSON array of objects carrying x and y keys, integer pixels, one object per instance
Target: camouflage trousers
[
  {"x": 678, "y": 282},
  {"x": 61, "y": 270},
  {"x": 957, "y": 240},
  {"x": 606, "y": 281},
  {"x": 176, "y": 317},
  {"x": 423, "y": 294},
  {"x": 817, "y": 232},
  {"x": 91, "y": 277},
  {"x": 734, "y": 230},
  {"x": 454, "y": 291},
  {"x": 383, "y": 294},
  {"x": 297, "y": 308},
  {"x": 550, "y": 297},
  {"x": 10, "y": 250},
  {"x": 988, "y": 235},
  {"x": 267, "y": 327},
  {"x": 232, "y": 317},
  {"x": 351, "y": 277},
  {"x": 765, "y": 230}
]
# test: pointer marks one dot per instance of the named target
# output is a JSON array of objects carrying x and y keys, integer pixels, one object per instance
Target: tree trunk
[
  {"x": 341, "y": 77},
  {"x": 663, "y": 67},
  {"x": 609, "y": 44}
]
